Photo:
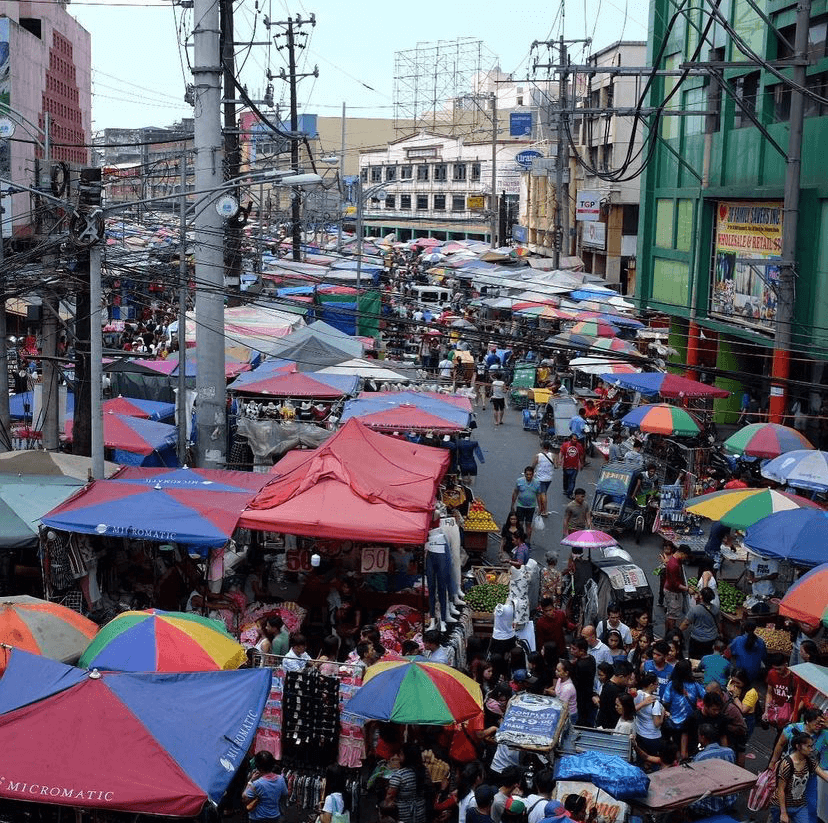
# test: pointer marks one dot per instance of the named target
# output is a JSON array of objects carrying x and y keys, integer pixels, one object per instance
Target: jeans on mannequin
[
  {"x": 438, "y": 576},
  {"x": 449, "y": 527}
]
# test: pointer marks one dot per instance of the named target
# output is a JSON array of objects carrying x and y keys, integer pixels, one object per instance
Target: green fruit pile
[
  {"x": 484, "y": 597},
  {"x": 730, "y": 597}
]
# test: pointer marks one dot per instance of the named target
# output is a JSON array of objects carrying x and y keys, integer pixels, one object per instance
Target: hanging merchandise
[{"x": 310, "y": 718}]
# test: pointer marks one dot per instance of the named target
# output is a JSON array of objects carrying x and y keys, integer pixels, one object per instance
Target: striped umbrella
[
  {"x": 806, "y": 601},
  {"x": 570, "y": 340},
  {"x": 616, "y": 344},
  {"x": 417, "y": 692},
  {"x": 766, "y": 440},
  {"x": 158, "y": 641},
  {"x": 662, "y": 418},
  {"x": 543, "y": 312},
  {"x": 595, "y": 328},
  {"x": 741, "y": 508}
]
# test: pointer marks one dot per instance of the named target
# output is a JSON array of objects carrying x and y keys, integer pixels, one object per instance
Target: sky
[{"x": 140, "y": 62}]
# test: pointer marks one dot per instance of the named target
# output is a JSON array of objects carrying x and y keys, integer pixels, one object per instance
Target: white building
[{"x": 433, "y": 185}]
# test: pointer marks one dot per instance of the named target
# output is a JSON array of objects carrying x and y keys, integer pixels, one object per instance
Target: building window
[
  {"x": 405, "y": 172},
  {"x": 694, "y": 99},
  {"x": 422, "y": 173},
  {"x": 390, "y": 174},
  {"x": 363, "y": 175},
  {"x": 746, "y": 88},
  {"x": 475, "y": 172},
  {"x": 376, "y": 174},
  {"x": 629, "y": 219},
  {"x": 440, "y": 172},
  {"x": 422, "y": 202},
  {"x": 439, "y": 202},
  {"x": 780, "y": 95},
  {"x": 458, "y": 202},
  {"x": 390, "y": 201},
  {"x": 459, "y": 172},
  {"x": 405, "y": 202}
]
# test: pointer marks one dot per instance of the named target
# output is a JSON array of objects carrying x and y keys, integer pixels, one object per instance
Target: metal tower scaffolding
[{"x": 432, "y": 80}]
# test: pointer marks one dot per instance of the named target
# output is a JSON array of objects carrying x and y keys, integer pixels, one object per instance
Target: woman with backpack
[
  {"x": 337, "y": 805},
  {"x": 679, "y": 699},
  {"x": 789, "y": 801}
]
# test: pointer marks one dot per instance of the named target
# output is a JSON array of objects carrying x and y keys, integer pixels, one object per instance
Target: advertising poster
[{"x": 745, "y": 291}]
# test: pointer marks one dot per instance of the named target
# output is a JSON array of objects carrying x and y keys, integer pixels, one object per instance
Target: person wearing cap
[
  {"x": 514, "y": 810},
  {"x": 507, "y": 783}
]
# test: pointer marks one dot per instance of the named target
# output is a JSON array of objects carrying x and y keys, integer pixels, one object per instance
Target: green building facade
[{"x": 711, "y": 196}]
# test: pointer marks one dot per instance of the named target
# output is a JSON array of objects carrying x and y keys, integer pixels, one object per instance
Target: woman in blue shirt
[
  {"x": 747, "y": 651},
  {"x": 680, "y": 698},
  {"x": 266, "y": 793}
]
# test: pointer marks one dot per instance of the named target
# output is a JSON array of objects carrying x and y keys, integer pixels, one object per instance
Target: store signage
[
  {"x": 520, "y": 124},
  {"x": 588, "y": 205},
  {"x": 476, "y": 202},
  {"x": 525, "y": 158},
  {"x": 594, "y": 235},
  {"x": 298, "y": 560},
  {"x": 374, "y": 559},
  {"x": 748, "y": 243},
  {"x": 520, "y": 233}
]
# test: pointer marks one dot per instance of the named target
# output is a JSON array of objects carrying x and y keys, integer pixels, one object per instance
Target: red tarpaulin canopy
[
  {"x": 360, "y": 485},
  {"x": 296, "y": 384}
]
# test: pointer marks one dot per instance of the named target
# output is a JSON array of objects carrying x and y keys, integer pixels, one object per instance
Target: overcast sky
[{"x": 140, "y": 58}]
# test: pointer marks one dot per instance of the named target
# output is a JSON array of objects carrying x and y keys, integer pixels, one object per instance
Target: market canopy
[
  {"x": 665, "y": 384},
  {"x": 360, "y": 485},
  {"x": 296, "y": 384},
  {"x": 22, "y": 405},
  {"x": 367, "y": 369},
  {"x": 407, "y": 411},
  {"x": 196, "y": 507},
  {"x": 51, "y": 464},
  {"x": 134, "y": 435},
  {"x": 143, "y": 743},
  {"x": 319, "y": 332},
  {"x": 23, "y": 502},
  {"x": 799, "y": 536}
]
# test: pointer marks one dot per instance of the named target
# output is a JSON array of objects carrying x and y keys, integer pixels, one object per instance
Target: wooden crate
[
  {"x": 476, "y": 541},
  {"x": 480, "y": 574}
]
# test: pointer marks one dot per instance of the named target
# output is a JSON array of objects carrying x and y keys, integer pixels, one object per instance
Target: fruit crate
[
  {"x": 476, "y": 541},
  {"x": 481, "y": 574}
]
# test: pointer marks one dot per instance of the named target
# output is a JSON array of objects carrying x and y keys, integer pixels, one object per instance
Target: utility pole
[
  {"x": 183, "y": 287},
  {"x": 5, "y": 415},
  {"x": 341, "y": 184},
  {"x": 786, "y": 286},
  {"x": 561, "y": 161},
  {"x": 95, "y": 362},
  {"x": 493, "y": 199},
  {"x": 293, "y": 28},
  {"x": 211, "y": 387},
  {"x": 232, "y": 153}
]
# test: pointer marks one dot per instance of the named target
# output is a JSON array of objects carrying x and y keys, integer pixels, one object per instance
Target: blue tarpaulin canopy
[
  {"x": 798, "y": 535},
  {"x": 386, "y": 402}
]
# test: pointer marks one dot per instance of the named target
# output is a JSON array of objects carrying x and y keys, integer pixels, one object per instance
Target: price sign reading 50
[{"x": 374, "y": 559}]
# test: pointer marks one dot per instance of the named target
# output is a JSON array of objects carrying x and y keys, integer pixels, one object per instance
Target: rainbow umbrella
[
  {"x": 617, "y": 345},
  {"x": 741, "y": 508},
  {"x": 545, "y": 312},
  {"x": 662, "y": 418},
  {"x": 766, "y": 440},
  {"x": 157, "y": 641},
  {"x": 590, "y": 539},
  {"x": 570, "y": 340},
  {"x": 806, "y": 600},
  {"x": 595, "y": 328},
  {"x": 417, "y": 692}
]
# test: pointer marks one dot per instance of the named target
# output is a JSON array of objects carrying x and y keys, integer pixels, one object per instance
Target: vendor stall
[{"x": 478, "y": 527}]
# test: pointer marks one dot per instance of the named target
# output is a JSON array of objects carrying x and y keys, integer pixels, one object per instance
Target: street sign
[
  {"x": 6, "y": 128},
  {"x": 475, "y": 202},
  {"x": 520, "y": 233},
  {"x": 525, "y": 158},
  {"x": 520, "y": 124},
  {"x": 588, "y": 205}
]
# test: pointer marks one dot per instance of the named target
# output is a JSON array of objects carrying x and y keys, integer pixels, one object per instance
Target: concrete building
[
  {"x": 45, "y": 68},
  {"x": 602, "y": 215}
]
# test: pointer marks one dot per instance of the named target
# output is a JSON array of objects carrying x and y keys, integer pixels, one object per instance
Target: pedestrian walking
[
  {"x": 525, "y": 499},
  {"x": 572, "y": 461}
]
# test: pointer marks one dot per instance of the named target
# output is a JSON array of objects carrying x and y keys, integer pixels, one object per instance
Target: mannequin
[
  {"x": 467, "y": 450},
  {"x": 449, "y": 527},
  {"x": 438, "y": 576}
]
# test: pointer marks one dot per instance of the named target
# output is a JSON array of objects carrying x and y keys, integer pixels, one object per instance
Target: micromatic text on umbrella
[
  {"x": 135, "y": 531},
  {"x": 63, "y": 792}
]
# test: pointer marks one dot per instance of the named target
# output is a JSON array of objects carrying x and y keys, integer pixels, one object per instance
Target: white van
[{"x": 432, "y": 297}]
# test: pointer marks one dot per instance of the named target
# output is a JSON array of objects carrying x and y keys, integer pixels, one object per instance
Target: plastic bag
[
  {"x": 762, "y": 791},
  {"x": 537, "y": 523},
  {"x": 608, "y": 772}
]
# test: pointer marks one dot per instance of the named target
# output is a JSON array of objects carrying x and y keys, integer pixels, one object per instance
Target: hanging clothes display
[{"x": 310, "y": 718}]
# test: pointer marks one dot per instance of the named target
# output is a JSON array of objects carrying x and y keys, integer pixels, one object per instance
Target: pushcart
[{"x": 554, "y": 423}]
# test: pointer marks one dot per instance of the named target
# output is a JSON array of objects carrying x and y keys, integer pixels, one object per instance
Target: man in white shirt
[
  {"x": 297, "y": 657},
  {"x": 762, "y": 572},
  {"x": 613, "y": 623},
  {"x": 434, "y": 651},
  {"x": 600, "y": 651},
  {"x": 536, "y": 803}
]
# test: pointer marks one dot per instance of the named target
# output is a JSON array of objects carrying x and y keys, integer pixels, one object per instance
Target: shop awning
[
  {"x": 296, "y": 384},
  {"x": 360, "y": 485},
  {"x": 665, "y": 384},
  {"x": 143, "y": 743},
  {"x": 407, "y": 411},
  {"x": 196, "y": 507}
]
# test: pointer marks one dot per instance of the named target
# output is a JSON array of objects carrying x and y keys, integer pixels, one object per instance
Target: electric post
[
  {"x": 211, "y": 388},
  {"x": 293, "y": 28},
  {"x": 232, "y": 153}
]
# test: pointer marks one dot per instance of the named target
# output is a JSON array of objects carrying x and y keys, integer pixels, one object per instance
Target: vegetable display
[
  {"x": 730, "y": 598},
  {"x": 485, "y": 596}
]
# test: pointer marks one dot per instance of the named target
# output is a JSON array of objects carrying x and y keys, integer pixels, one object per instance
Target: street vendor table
[
  {"x": 696, "y": 542},
  {"x": 676, "y": 788}
]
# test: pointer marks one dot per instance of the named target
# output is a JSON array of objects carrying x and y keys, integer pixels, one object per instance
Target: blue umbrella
[
  {"x": 622, "y": 320},
  {"x": 798, "y": 535},
  {"x": 802, "y": 468}
]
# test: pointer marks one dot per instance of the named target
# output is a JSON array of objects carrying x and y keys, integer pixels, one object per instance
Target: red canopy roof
[
  {"x": 360, "y": 485},
  {"x": 293, "y": 384}
]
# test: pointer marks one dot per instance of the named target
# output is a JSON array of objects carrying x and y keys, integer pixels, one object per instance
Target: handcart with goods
[{"x": 477, "y": 528}]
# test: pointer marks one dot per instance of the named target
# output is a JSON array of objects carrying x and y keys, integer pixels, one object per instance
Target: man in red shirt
[
  {"x": 572, "y": 460},
  {"x": 550, "y": 627},
  {"x": 674, "y": 587}
]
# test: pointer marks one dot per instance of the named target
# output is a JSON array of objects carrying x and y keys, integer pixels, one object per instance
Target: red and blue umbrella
[
  {"x": 806, "y": 601},
  {"x": 766, "y": 440},
  {"x": 143, "y": 743},
  {"x": 197, "y": 507},
  {"x": 133, "y": 434},
  {"x": 665, "y": 384},
  {"x": 417, "y": 692}
]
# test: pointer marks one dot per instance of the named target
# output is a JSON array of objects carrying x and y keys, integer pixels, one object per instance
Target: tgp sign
[
  {"x": 588, "y": 205},
  {"x": 525, "y": 158}
]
